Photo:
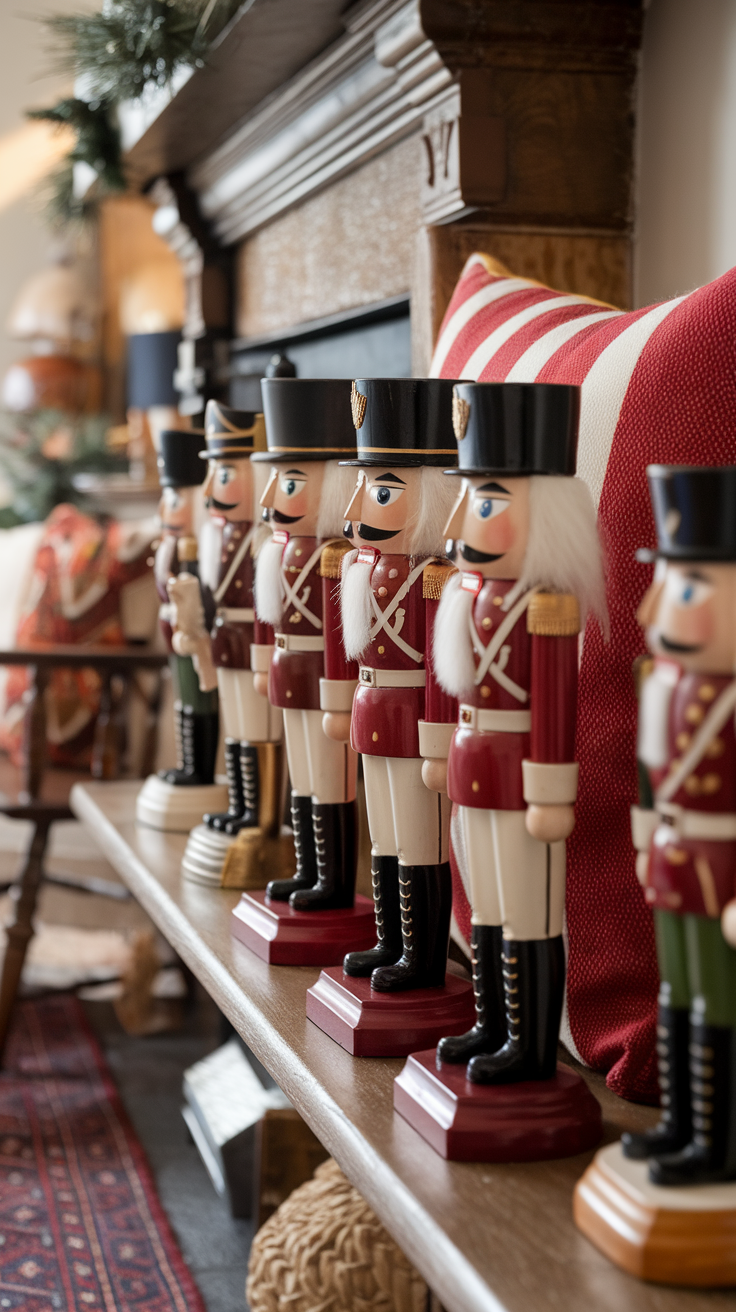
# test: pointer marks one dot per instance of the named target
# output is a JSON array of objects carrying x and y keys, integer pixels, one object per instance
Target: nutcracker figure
[
  {"x": 506, "y": 645},
  {"x": 389, "y": 590},
  {"x": 685, "y": 836},
  {"x": 688, "y": 839},
  {"x": 252, "y": 727},
  {"x": 181, "y": 474}
]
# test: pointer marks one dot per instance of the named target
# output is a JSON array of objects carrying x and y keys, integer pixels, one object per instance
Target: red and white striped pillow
[{"x": 658, "y": 385}]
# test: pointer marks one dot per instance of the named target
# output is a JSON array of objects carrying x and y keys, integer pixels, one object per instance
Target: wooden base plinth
[
  {"x": 174, "y": 808},
  {"x": 371, "y": 1024},
  {"x": 675, "y": 1236},
  {"x": 527, "y": 1122},
  {"x": 283, "y": 937}
]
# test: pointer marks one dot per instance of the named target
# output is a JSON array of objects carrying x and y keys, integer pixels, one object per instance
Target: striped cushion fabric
[{"x": 658, "y": 385}]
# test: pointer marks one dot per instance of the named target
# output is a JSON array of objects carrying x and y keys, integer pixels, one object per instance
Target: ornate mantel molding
[{"x": 383, "y": 81}]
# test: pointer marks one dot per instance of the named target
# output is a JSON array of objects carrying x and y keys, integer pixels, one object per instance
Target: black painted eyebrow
[
  {"x": 696, "y": 574},
  {"x": 390, "y": 478},
  {"x": 296, "y": 471},
  {"x": 494, "y": 487}
]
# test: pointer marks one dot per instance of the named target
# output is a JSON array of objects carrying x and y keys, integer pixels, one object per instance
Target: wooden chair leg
[{"x": 21, "y": 931}]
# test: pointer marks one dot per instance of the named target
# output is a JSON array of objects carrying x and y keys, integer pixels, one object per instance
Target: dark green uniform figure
[
  {"x": 685, "y": 832},
  {"x": 181, "y": 473}
]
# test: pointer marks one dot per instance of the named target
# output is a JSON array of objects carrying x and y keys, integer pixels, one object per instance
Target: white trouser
[
  {"x": 405, "y": 818},
  {"x": 319, "y": 767},
  {"x": 246, "y": 716},
  {"x": 514, "y": 880}
]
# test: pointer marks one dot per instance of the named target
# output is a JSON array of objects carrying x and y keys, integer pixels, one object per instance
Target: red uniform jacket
[
  {"x": 690, "y": 875},
  {"x": 310, "y": 619},
  {"x": 385, "y": 719},
  {"x": 533, "y": 671},
  {"x": 232, "y": 599}
]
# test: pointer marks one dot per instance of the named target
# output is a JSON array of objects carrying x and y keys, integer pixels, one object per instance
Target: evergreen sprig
[
  {"x": 134, "y": 44},
  {"x": 41, "y": 455},
  {"x": 97, "y": 144}
]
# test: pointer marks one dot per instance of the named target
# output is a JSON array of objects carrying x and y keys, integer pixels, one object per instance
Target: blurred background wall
[{"x": 686, "y": 222}]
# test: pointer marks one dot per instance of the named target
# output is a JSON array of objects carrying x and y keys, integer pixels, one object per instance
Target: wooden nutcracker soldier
[
  {"x": 686, "y": 846},
  {"x": 688, "y": 745},
  {"x": 389, "y": 591},
  {"x": 308, "y": 431},
  {"x": 506, "y": 645},
  {"x": 181, "y": 475},
  {"x": 252, "y": 728},
  {"x": 312, "y": 917}
]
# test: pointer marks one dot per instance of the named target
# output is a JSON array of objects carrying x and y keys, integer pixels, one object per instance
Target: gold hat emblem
[
  {"x": 460, "y": 415},
  {"x": 358, "y": 403}
]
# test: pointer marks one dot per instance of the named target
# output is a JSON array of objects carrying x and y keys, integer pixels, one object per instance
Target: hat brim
[
  {"x": 278, "y": 458},
  {"x": 488, "y": 472},
  {"x": 391, "y": 462}
]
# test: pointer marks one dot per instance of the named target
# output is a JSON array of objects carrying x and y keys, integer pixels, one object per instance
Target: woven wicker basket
[{"x": 324, "y": 1250}]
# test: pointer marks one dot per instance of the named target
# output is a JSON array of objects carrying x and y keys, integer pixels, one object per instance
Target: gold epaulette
[
  {"x": 435, "y": 577},
  {"x": 553, "y": 615},
  {"x": 330, "y": 562}
]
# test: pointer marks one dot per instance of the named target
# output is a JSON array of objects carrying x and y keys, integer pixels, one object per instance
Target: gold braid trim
[
  {"x": 553, "y": 615},
  {"x": 330, "y": 562},
  {"x": 434, "y": 578}
]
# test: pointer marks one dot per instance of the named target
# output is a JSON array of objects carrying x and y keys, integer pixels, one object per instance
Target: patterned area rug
[{"x": 81, "y": 1227}]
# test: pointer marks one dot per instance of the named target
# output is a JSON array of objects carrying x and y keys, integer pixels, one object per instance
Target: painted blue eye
[
  {"x": 383, "y": 496},
  {"x": 485, "y": 509},
  {"x": 290, "y": 488},
  {"x": 688, "y": 593}
]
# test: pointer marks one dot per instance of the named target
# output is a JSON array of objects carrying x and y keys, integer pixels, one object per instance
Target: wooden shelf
[{"x": 486, "y": 1238}]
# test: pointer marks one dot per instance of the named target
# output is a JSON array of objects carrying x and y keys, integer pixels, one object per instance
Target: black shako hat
[
  {"x": 307, "y": 419},
  {"x": 178, "y": 461},
  {"x": 232, "y": 433},
  {"x": 403, "y": 421},
  {"x": 516, "y": 428},
  {"x": 694, "y": 512}
]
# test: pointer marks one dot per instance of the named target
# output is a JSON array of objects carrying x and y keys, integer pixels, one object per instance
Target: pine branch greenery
[
  {"x": 134, "y": 44},
  {"x": 41, "y": 455},
  {"x": 97, "y": 144}
]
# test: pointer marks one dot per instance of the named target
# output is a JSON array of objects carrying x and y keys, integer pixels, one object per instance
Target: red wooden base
[
  {"x": 371, "y": 1024},
  {"x": 526, "y": 1122},
  {"x": 283, "y": 937}
]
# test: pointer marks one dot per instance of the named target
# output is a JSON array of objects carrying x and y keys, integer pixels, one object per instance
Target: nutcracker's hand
[
  {"x": 728, "y": 922},
  {"x": 260, "y": 683},
  {"x": 550, "y": 824},
  {"x": 642, "y": 867},
  {"x": 434, "y": 775},
  {"x": 336, "y": 725}
]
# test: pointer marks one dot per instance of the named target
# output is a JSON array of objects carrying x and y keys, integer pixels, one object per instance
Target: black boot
[
  {"x": 674, "y": 1129},
  {"x": 234, "y": 788},
  {"x": 168, "y": 775},
  {"x": 335, "y": 837},
  {"x": 385, "y": 881},
  {"x": 489, "y": 1032},
  {"x": 185, "y": 773},
  {"x": 534, "y": 984},
  {"x": 426, "y": 903},
  {"x": 248, "y": 819},
  {"x": 305, "y": 876},
  {"x": 711, "y": 1155}
]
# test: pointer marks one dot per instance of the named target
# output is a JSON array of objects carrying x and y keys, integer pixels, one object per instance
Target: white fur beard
[
  {"x": 452, "y": 651},
  {"x": 268, "y": 592},
  {"x": 355, "y": 605}
]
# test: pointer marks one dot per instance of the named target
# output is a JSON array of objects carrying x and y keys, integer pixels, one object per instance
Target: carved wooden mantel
[{"x": 522, "y": 112}]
